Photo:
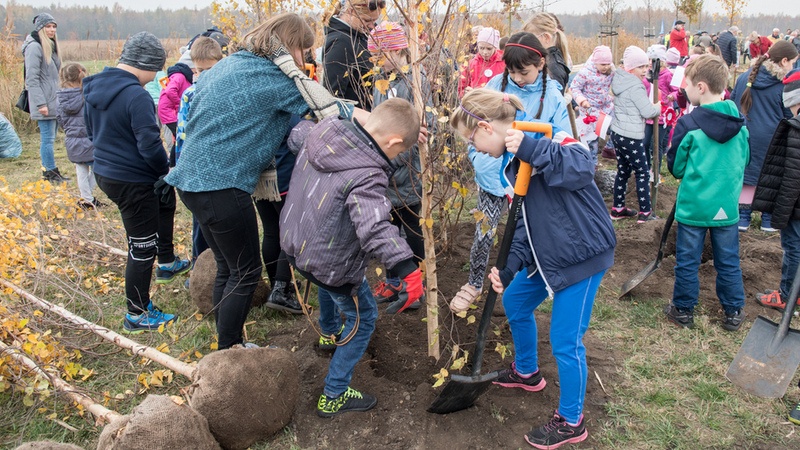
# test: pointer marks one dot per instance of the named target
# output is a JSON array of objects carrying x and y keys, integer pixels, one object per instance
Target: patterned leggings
[
  {"x": 631, "y": 157},
  {"x": 492, "y": 208}
]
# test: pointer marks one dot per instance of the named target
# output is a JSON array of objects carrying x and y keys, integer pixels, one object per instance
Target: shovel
[
  {"x": 769, "y": 355},
  {"x": 461, "y": 391},
  {"x": 653, "y": 266}
]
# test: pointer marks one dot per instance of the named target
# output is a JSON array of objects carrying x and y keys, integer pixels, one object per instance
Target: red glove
[{"x": 411, "y": 291}]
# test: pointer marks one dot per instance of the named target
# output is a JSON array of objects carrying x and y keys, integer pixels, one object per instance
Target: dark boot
[
  {"x": 283, "y": 298},
  {"x": 54, "y": 176}
]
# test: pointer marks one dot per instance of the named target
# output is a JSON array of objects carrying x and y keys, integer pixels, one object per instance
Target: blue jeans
[
  {"x": 790, "y": 243},
  {"x": 746, "y": 214},
  {"x": 689, "y": 248},
  {"x": 345, "y": 358},
  {"x": 47, "y": 133},
  {"x": 572, "y": 309}
]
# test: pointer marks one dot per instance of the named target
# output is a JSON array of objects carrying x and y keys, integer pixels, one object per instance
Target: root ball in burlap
[
  {"x": 246, "y": 394},
  {"x": 47, "y": 445},
  {"x": 201, "y": 284},
  {"x": 158, "y": 422}
]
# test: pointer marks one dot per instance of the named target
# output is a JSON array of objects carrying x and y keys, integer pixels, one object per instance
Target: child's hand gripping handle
[{"x": 525, "y": 169}]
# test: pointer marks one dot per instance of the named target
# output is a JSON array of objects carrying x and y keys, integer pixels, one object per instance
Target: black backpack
[{"x": 215, "y": 34}]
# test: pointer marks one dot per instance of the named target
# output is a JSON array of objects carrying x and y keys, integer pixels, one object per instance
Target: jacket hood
[
  {"x": 768, "y": 75},
  {"x": 326, "y": 158},
  {"x": 720, "y": 121},
  {"x": 623, "y": 80},
  {"x": 496, "y": 56},
  {"x": 70, "y": 99},
  {"x": 101, "y": 89},
  {"x": 182, "y": 69},
  {"x": 338, "y": 25}
]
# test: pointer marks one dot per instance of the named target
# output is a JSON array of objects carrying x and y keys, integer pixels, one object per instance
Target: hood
[
  {"x": 101, "y": 89},
  {"x": 182, "y": 69},
  {"x": 768, "y": 75},
  {"x": 28, "y": 41},
  {"x": 338, "y": 25},
  {"x": 623, "y": 80},
  {"x": 70, "y": 99},
  {"x": 327, "y": 158},
  {"x": 720, "y": 121}
]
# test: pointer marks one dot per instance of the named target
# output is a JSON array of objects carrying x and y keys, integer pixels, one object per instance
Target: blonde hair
[
  {"x": 396, "y": 115},
  {"x": 291, "y": 29},
  {"x": 72, "y": 74},
  {"x": 543, "y": 22},
  {"x": 47, "y": 50},
  {"x": 487, "y": 104},
  {"x": 206, "y": 49},
  {"x": 359, "y": 7}
]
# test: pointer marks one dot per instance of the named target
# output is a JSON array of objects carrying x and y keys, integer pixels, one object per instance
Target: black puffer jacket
[
  {"x": 346, "y": 61},
  {"x": 557, "y": 68},
  {"x": 778, "y": 189},
  {"x": 727, "y": 47}
]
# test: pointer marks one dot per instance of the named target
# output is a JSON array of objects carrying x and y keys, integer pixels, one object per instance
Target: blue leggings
[{"x": 572, "y": 309}]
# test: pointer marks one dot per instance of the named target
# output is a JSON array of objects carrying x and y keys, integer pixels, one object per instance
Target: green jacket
[{"x": 709, "y": 152}]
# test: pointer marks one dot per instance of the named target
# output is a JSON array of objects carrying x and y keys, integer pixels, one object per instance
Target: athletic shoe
[
  {"x": 282, "y": 298},
  {"x": 328, "y": 343},
  {"x": 386, "y": 292},
  {"x": 167, "y": 272},
  {"x": 624, "y": 213},
  {"x": 681, "y": 317},
  {"x": 510, "y": 378},
  {"x": 773, "y": 300},
  {"x": 743, "y": 225},
  {"x": 556, "y": 433},
  {"x": 351, "y": 400},
  {"x": 94, "y": 204},
  {"x": 646, "y": 217},
  {"x": 733, "y": 321},
  {"x": 149, "y": 320},
  {"x": 768, "y": 229},
  {"x": 794, "y": 415}
]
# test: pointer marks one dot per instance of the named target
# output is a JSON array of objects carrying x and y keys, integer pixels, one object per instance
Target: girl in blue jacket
[
  {"x": 562, "y": 247},
  {"x": 525, "y": 77}
]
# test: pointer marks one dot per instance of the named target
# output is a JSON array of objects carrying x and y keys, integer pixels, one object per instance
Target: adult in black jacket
[
  {"x": 346, "y": 58},
  {"x": 727, "y": 45}
]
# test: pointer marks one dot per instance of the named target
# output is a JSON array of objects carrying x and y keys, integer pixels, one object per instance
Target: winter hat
[
  {"x": 143, "y": 51},
  {"x": 602, "y": 55},
  {"x": 657, "y": 51},
  {"x": 673, "y": 56},
  {"x": 634, "y": 57},
  {"x": 490, "y": 36},
  {"x": 791, "y": 89},
  {"x": 386, "y": 37},
  {"x": 186, "y": 58},
  {"x": 41, "y": 20}
]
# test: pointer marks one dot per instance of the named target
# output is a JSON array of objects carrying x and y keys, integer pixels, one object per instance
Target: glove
[
  {"x": 410, "y": 291},
  {"x": 164, "y": 191}
]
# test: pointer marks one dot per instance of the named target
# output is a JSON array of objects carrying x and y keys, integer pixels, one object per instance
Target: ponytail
[
  {"x": 747, "y": 98},
  {"x": 487, "y": 105},
  {"x": 544, "y": 91}
]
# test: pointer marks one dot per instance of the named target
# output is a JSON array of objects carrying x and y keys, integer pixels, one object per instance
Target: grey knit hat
[
  {"x": 143, "y": 51},
  {"x": 791, "y": 89},
  {"x": 41, "y": 20}
]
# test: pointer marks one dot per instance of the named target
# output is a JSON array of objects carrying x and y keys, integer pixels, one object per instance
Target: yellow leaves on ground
[
  {"x": 441, "y": 377},
  {"x": 157, "y": 378}
]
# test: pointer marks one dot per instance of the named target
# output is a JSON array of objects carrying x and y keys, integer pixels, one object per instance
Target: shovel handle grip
[
  {"x": 525, "y": 169},
  {"x": 534, "y": 127}
]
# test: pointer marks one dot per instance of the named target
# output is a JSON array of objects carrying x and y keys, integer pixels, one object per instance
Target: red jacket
[
  {"x": 759, "y": 47},
  {"x": 677, "y": 39},
  {"x": 480, "y": 71}
]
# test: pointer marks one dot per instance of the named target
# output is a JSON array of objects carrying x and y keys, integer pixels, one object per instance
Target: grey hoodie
[
  {"x": 336, "y": 214},
  {"x": 631, "y": 105},
  {"x": 70, "y": 116},
  {"x": 41, "y": 79}
]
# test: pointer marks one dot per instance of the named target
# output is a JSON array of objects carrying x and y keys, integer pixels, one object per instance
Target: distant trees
[{"x": 733, "y": 9}]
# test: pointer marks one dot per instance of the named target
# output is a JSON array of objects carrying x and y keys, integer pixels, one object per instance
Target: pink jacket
[
  {"x": 170, "y": 99},
  {"x": 480, "y": 71}
]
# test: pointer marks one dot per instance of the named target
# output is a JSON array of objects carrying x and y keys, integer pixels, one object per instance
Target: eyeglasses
[
  {"x": 471, "y": 139},
  {"x": 373, "y": 5}
]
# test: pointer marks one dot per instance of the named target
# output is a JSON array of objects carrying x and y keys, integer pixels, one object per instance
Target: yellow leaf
[
  {"x": 444, "y": 119},
  {"x": 382, "y": 86},
  {"x": 461, "y": 314},
  {"x": 198, "y": 354},
  {"x": 470, "y": 319},
  {"x": 458, "y": 364},
  {"x": 213, "y": 346},
  {"x": 177, "y": 400},
  {"x": 163, "y": 347},
  {"x": 438, "y": 382},
  {"x": 198, "y": 316},
  {"x": 429, "y": 222},
  {"x": 161, "y": 328},
  {"x": 378, "y": 271},
  {"x": 424, "y": 7}
]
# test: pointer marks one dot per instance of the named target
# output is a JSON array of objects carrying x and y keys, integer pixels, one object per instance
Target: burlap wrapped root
[
  {"x": 201, "y": 284},
  {"x": 158, "y": 422},
  {"x": 47, "y": 445},
  {"x": 246, "y": 395}
]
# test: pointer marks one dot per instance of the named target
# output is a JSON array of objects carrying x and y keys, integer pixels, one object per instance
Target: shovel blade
[
  {"x": 638, "y": 278},
  {"x": 762, "y": 371},
  {"x": 460, "y": 392}
]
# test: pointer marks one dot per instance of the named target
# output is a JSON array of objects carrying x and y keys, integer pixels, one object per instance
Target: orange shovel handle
[{"x": 525, "y": 169}]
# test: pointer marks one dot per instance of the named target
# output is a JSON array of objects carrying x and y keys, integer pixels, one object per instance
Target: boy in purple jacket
[{"x": 338, "y": 218}]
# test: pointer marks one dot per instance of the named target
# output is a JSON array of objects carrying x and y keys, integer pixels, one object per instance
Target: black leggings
[
  {"x": 274, "y": 257},
  {"x": 407, "y": 217}
]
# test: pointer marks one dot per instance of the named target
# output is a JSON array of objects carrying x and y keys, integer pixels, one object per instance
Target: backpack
[{"x": 215, "y": 34}]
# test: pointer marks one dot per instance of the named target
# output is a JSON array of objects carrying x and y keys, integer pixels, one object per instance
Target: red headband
[{"x": 510, "y": 44}]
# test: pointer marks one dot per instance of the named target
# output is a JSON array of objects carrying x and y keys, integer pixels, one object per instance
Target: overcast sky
[{"x": 754, "y": 7}]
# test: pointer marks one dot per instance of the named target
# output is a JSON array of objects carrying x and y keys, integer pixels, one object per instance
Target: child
[
  {"x": 69, "y": 113},
  {"x": 487, "y": 63},
  {"x": 757, "y": 93},
  {"x": 10, "y": 145},
  {"x": 590, "y": 89},
  {"x": 337, "y": 216},
  {"x": 631, "y": 108},
  {"x": 668, "y": 95},
  {"x": 565, "y": 258},
  {"x": 709, "y": 152},
  {"x": 548, "y": 30},
  {"x": 129, "y": 159},
  {"x": 388, "y": 41},
  {"x": 181, "y": 76},
  {"x": 777, "y": 193}
]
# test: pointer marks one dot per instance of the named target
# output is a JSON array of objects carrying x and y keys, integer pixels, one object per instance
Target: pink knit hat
[
  {"x": 673, "y": 56},
  {"x": 387, "y": 37},
  {"x": 634, "y": 57},
  {"x": 601, "y": 55},
  {"x": 489, "y": 36}
]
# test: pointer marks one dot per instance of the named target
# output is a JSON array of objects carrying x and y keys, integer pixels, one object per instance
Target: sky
[{"x": 754, "y": 7}]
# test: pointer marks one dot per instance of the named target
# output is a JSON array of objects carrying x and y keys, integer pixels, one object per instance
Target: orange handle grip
[
  {"x": 534, "y": 127},
  {"x": 525, "y": 169},
  {"x": 310, "y": 70}
]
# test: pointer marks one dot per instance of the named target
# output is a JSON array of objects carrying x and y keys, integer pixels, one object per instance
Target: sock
[
  {"x": 618, "y": 209},
  {"x": 526, "y": 375},
  {"x": 580, "y": 419}
]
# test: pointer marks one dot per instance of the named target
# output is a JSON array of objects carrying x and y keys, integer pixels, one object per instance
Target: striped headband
[{"x": 510, "y": 44}]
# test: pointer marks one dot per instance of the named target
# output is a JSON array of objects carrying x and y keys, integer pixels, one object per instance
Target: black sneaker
[
  {"x": 647, "y": 217},
  {"x": 624, "y": 213},
  {"x": 794, "y": 415},
  {"x": 510, "y": 378},
  {"x": 733, "y": 321},
  {"x": 351, "y": 400},
  {"x": 282, "y": 298},
  {"x": 681, "y": 317},
  {"x": 556, "y": 433},
  {"x": 329, "y": 342},
  {"x": 54, "y": 176}
]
